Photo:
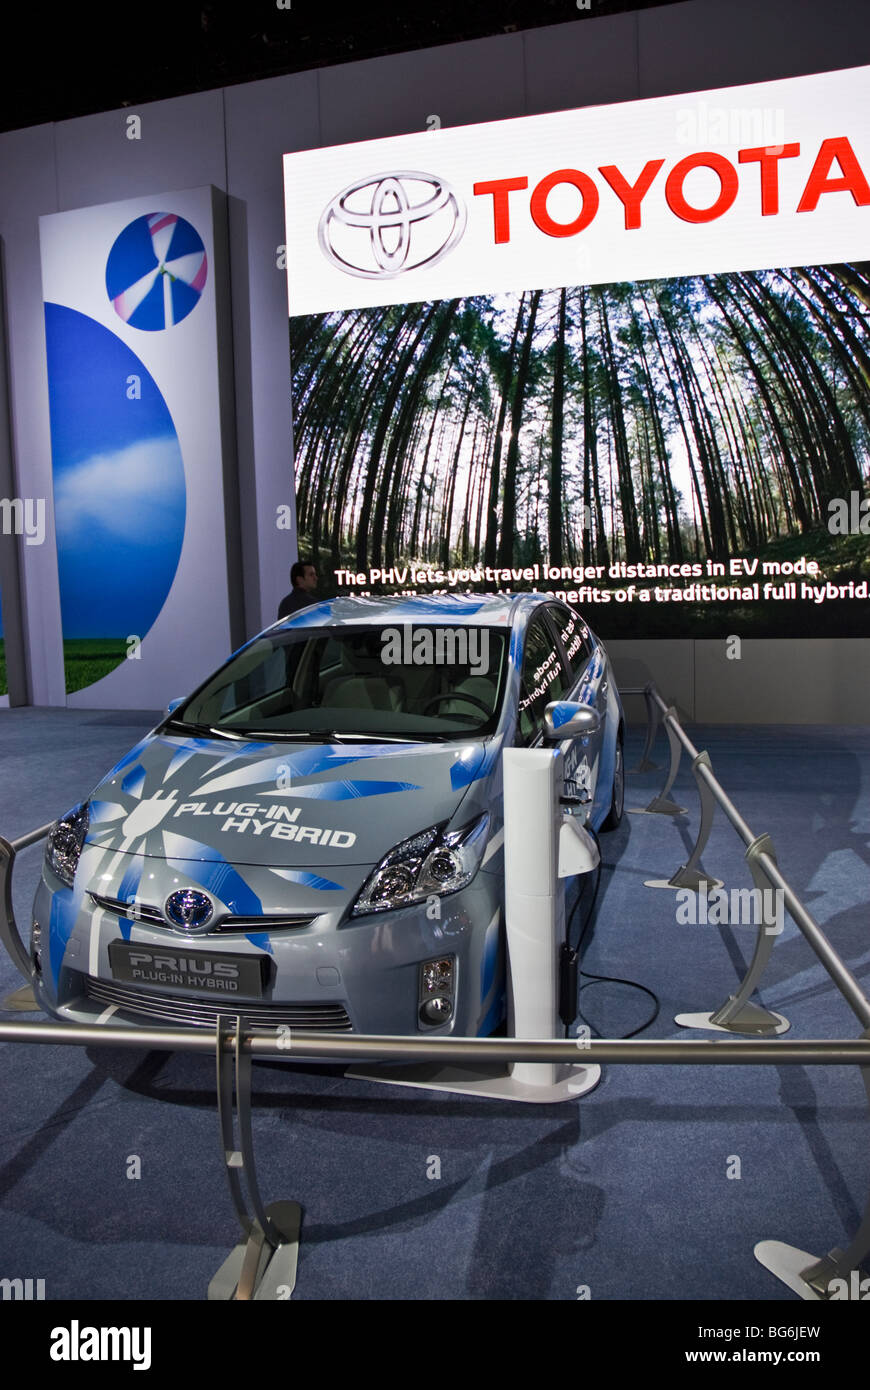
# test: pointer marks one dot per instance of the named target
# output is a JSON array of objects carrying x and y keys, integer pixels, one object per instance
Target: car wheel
[{"x": 617, "y": 800}]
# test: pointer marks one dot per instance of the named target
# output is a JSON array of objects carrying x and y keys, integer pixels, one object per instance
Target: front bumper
[{"x": 334, "y": 974}]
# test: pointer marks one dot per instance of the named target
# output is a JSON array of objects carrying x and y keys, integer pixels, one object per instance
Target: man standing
[{"x": 303, "y": 578}]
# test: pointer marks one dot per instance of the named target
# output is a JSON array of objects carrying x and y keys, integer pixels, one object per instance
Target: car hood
[{"x": 283, "y": 804}]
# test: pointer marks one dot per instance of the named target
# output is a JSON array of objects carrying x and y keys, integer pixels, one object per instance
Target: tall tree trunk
[
  {"x": 554, "y": 510},
  {"x": 385, "y": 418},
  {"x": 627, "y": 501},
  {"x": 509, "y": 504},
  {"x": 411, "y": 394},
  {"x": 491, "y": 543},
  {"x": 785, "y": 463}
]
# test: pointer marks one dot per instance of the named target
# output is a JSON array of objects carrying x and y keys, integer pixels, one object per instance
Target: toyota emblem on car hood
[
  {"x": 189, "y": 910},
  {"x": 379, "y": 227}
]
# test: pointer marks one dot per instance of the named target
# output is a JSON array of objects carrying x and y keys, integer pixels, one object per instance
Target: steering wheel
[{"x": 457, "y": 695}]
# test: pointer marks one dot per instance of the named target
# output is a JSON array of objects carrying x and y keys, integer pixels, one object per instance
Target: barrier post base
[
  {"x": 258, "y": 1270},
  {"x": 693, "y": 879},
  {"x": 494, "y": 1083},
  {"x": 789, "y": 1264},
  {"x": 750, "y": 1019},
  {"x": 21, "y": 1001}
]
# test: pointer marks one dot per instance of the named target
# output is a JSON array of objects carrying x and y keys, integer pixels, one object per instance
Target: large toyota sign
[
  {"x": 617, "y": 353},
  {"x": 599, "y": 195}
]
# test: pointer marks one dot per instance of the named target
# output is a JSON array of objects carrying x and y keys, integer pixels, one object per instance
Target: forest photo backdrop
[{"x": 653, "y": 422}]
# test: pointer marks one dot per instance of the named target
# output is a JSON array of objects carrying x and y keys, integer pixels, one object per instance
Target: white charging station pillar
[
  {"x": 532, "y": 787},
  {"x": 535, "y": 908}
]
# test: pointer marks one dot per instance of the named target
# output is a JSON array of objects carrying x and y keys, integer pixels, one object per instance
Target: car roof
[{"x": 473, "y": 610}]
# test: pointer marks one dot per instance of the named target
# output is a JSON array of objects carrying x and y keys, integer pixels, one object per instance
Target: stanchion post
[
  {"x": 661, "y": 805},
  {"x": 738, "y": 1014},
  {"x": 653, "y": 719},
  {"x": 9, "y": 933},
  {"x": 690, "y": 874},
  {"x": 262, "y": 1267}
]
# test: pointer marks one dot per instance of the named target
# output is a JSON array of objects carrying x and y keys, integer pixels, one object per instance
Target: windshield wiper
[
  {"x": 327, "y": 736},
  {"x": 201, "y": 730},
  {"x": 295, "y": 735}
]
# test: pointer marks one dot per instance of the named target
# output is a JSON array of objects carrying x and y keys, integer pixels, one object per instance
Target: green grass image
[{"x": 88, "y": 659}]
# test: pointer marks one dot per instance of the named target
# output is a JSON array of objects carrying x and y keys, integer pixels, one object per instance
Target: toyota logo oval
[
  {"x": 379, "y": 227},
  {"x": 189, "y": 910}
]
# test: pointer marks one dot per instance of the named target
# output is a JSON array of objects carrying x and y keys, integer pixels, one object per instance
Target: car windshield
[{"x": 409, "y": 682}]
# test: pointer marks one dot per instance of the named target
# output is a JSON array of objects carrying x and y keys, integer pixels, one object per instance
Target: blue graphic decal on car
[
  {"x": 323, "y": 885},
  {"x": 349, "y": 791},
  {"x": 130, "y": 758},
  {"x": 130, "y": 882},
  {"x": 488, "y": 960},
  {"x": 206, "y": 866},
  {"x": 261, "y": 940},
  {"x": 134, "y": 781},
  {"x": 105, "y": 811},
  {"x": 64, "y": 910},
  {"x": 464, "y": 772}
]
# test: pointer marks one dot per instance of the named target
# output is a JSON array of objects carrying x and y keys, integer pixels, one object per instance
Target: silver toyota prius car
[{"x": 314, "y": 837}]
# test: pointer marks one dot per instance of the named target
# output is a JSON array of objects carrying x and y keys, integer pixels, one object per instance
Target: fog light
[
  {"x": 437, "y": 975},
  {"x": 437, "y": 990},
  {"x": 436, "y": 1010}
]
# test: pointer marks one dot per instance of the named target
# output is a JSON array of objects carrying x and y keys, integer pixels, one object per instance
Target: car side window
[
  {"x": 543, "y": 678},
  {"x": 575, "y": 639}
]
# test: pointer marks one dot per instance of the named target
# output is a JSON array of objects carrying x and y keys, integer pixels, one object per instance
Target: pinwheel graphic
[{"x": 156, "y": 271}]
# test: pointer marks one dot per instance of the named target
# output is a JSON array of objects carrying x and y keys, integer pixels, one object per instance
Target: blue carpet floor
[{"x": 626, "y": 1191}]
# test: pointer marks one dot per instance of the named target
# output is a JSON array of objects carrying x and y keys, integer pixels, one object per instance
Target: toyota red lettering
[{"x": 851, "y": 179}]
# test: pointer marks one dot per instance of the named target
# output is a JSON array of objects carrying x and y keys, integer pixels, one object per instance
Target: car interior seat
[{"x": 480, "y": 688}]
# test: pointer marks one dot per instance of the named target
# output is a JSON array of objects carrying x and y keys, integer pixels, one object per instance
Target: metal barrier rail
[
  {"x": 292, "y": 1045},
  {"x": 760, "y": 855},
  {"x": 814, "y": 1279}
]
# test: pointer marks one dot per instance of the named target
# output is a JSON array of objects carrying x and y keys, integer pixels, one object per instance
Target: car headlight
[
  {"x": 425, "y": 864},
  {"x": 65, "y": 841}
]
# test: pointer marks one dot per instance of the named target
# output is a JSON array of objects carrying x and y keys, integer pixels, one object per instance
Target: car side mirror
[
  {"x": 565, "y": 719},
  {"x": 173, "y": 705}
]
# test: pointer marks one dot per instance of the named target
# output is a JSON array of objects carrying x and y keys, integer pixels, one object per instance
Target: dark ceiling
[{"x": 74, "y": 59}]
